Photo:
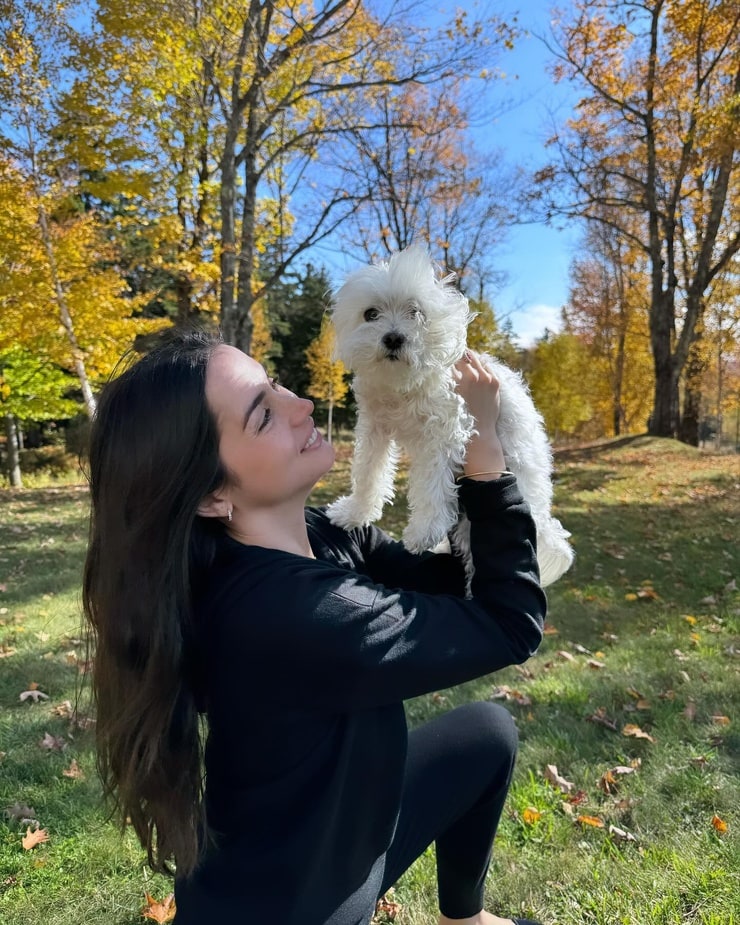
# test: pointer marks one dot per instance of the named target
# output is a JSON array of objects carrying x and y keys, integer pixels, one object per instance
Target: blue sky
[{"x": 535, "y": 258}]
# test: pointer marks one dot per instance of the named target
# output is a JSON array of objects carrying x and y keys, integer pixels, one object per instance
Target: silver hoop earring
[{"x": 229, "y": 515}]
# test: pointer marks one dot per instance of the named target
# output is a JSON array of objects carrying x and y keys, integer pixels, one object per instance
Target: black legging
[{"x": 457, "y": 776}]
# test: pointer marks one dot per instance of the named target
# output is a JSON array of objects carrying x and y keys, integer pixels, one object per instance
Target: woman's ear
[{"x": 215, "y": 505}]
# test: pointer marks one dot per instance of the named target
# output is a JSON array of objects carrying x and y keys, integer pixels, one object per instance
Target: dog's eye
[
  {"x": 371, "y": 314},
  {"x": 413, "y": 309}
]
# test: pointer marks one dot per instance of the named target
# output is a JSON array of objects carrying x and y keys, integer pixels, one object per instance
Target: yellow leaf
[
  {"x": 593, "y": 821},
  {"x": 530, "y": 816},
  {"x": 719, "y": 824},
  {"x": 630, "y": 597}
]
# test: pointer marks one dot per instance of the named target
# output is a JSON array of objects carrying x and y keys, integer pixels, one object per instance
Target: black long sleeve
[{"x": 307, "y": 664}]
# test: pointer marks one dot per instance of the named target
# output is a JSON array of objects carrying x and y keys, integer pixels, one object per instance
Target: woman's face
[{"x": 267, "y": 439}]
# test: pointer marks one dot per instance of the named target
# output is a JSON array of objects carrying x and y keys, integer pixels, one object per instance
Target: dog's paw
[
  {"x": 346, "y": 512},
  {"x": 554, "y": 552},
  {"x": 420, "y": 537}
]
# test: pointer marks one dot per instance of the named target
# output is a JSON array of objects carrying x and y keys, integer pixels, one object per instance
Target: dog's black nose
[{"x": 393, "y": 341}]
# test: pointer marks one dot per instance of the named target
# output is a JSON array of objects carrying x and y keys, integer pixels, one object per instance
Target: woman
[{"x": 210, "y": 590}]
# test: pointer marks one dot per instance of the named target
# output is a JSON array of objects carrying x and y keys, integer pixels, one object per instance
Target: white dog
[{"x": 400, "y": 329}]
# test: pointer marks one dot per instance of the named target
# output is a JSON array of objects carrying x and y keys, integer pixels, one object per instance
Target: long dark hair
[{"x": 153, "y": 458}]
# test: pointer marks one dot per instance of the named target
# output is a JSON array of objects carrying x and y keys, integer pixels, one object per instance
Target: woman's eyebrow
[{"x": 253, "y": 404}]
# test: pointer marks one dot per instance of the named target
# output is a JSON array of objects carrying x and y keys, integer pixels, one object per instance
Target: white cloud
[{"x": 530, "y": 323}]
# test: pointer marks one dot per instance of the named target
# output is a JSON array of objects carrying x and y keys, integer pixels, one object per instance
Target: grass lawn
[{"x": 634, "y": 697}]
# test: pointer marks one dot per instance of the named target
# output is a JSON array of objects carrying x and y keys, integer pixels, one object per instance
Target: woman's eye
[
  {"x": 371, "y": 314},
  {"x": 265, "y": 420}
]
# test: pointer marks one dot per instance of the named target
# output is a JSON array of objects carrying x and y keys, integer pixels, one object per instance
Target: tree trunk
[
  {"x": 228, "y": 235},
  {"x": 245, "y": 275},
  {"x": 13, "y": 466},
  {"x": 184, "y": 298},
  {"x": 664, "y": 419},
  {"x": 691, "y": 416},
  {"x": 78, "y": 359}
]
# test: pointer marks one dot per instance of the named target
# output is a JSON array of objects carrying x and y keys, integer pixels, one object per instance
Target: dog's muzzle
[{"x": 393, "y": 342}]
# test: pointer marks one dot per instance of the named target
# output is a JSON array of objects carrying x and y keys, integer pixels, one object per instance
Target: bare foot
[{"x": 483, "y": 918}]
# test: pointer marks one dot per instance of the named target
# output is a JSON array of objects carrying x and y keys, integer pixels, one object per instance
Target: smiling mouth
[{"x": 311, "y": 440}]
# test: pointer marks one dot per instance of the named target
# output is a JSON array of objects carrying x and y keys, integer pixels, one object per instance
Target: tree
[
  {"x": 296, "y": 306},
  {"x": 607, "y": 310},
  {"x": 61, "y": 297},
  {"x": 300, "y": 81},
  {"x": 31, "y": 389},
  {"x": 139, "y": 124},
  {"x": 423, "y": 180},
  {"x": 652, "y": 152},
  {"x": 556, "y": 377},
  {"x": 328, "y": 380}
]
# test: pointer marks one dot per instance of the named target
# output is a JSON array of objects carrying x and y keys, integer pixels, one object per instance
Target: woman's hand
[{"x": 479, "y": 388}]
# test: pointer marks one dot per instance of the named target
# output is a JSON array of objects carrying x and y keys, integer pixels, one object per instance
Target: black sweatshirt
[{"x": 308, "y": 662}]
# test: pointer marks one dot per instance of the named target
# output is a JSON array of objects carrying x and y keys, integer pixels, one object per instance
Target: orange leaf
[
  {"x": 636, "y": 733},
  {"x": 159, "y": 911},
  {"x": 74, "y": 771},
  {"x": 530, "y": 816},
  {"x": 591, "y": 820},
  {"x": 719, "y": 824},
  {"x": 721, "y": 720},
  {"x": 33, "y": 838}
]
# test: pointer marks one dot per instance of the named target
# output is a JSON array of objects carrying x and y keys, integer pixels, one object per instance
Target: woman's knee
[{"x": 489, "y": 729}]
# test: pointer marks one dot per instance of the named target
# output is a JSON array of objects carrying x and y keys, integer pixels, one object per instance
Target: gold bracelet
[{"x": 472, "y": 475}]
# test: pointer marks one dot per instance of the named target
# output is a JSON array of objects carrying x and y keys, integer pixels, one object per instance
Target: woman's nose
[{"x": 301, "y": 408}]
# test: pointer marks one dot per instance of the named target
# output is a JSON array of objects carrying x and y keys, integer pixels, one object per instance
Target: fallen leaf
[
  {"x": 553, "y": 777},
  {"x": 621, "y": 834},
  {"x": 690, "y": 711},
  {"x": 630, "y": 597},
  {"x": 550, "y": 630},
  {"x": 721, "y": 720},
  {"x": 649, "y": 594},
  {"x": 601, "y": 719},
  {"x": 33, "y": 838},
  {"x": 566, "y": 655},
  {"x": 159, "y": 911},
  {"x": 592, "y": 821},
  {"x": 636, "y": 733},
  {"x": 530, "y": 816},
  {"x": 593, "y": 663},
  {"x": 33, "y": 695},
  {"x": 18, "y": 812},
  {"x": 719, "y": 824},
  {"x": 580, "y": 796},
  {"x": 609, "y": 781},
  {"x": 63, "y": 709},
  {"x": 53, "y": 743},
  {"x": 503, "y": 692},
  {"x": 74, "y": 771},
  {"x": 387, "y": 907}
]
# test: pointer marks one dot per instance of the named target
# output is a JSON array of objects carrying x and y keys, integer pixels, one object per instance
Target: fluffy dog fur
[{"x": 400, "y": 328}]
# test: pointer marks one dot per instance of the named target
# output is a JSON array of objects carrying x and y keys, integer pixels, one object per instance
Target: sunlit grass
[{"x": 644, "y": 631}]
